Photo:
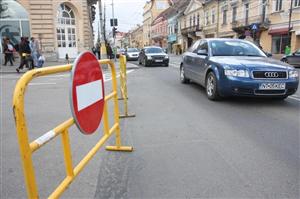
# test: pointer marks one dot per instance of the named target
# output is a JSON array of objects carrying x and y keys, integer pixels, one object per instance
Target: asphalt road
[{"x": 185, "y": 146}]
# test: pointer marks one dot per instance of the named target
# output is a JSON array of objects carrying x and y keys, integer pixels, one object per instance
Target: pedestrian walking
[
  {"x": 35, "y": 51},
  {"x": 25, "y": 53},
  {"x": 8, "y": 50},
  {"x": 109, "y": 51},
  {"x": 97, "y": 50}
]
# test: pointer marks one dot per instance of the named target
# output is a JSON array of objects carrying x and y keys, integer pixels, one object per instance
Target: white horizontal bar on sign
[{"x": 88, "y": 94}]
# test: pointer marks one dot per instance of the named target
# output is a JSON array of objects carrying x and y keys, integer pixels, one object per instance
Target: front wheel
[
  {"x": 183, "y": 79},
  {"x": 212, "y": 87}
]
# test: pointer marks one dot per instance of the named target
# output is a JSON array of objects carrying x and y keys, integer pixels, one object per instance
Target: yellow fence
[
  {"x": 123, "y": 87},
  {"x": 28, "y": 148}
]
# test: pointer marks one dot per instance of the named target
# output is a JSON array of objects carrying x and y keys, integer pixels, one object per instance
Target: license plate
[
  {"x": 272, "y": 86},
  {"x": 158, "y": 60}
]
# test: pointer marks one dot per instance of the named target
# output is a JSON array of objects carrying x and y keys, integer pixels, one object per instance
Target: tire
[
  {"x": 167, "y": 65},
  {"x": 145, "y": 63},
  {"x": 183, "y": 79},
  {"x": 211, "y": 87}
]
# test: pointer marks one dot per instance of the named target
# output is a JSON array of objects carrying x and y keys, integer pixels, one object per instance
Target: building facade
[
  {"x": 264, "y": 22},
  {"x": 136, "y": 36},
  {"x": 63, "y": 27}
]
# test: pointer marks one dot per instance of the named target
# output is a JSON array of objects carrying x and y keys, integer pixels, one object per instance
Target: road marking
[
  {"x": 294, "y": 98},
  {"x": 174, "y": 65},
  {"x": 37, "y": 84},
  {"x": 107, "y": 77},
  {"x": 86, "y": 94}
]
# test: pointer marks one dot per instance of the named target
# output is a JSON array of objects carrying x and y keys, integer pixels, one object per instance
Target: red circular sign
[{"x": 87, "y": 92}]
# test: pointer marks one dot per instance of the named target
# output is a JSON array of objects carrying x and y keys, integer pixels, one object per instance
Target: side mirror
[
  {"x": 202, "y": 52},
  {"x": 269, "y": 54}
]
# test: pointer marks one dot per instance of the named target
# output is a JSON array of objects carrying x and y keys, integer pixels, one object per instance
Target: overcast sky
[{"x": 128, "y": 12}]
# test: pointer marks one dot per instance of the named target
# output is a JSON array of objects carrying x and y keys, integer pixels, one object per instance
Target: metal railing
[{"x": 28, "y": 148}]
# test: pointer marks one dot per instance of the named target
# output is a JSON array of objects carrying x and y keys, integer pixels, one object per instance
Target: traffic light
[{"x": 114, "y": 31}]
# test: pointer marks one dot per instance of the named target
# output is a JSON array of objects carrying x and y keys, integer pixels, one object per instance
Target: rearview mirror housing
[{"x": 202, "y": 52}]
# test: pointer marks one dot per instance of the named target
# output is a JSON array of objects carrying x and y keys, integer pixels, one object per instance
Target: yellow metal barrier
[
  {"x": 123, "y": 87},
  {"x": 26, "y": 148}
]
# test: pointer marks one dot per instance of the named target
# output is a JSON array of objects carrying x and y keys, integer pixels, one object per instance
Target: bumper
[
  {"x": 158, "y": 63},
  {"x": 132, "y": 58},
  {"x": 233, "y": 86}
]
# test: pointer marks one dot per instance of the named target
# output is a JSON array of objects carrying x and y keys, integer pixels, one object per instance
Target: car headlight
[
  {"x": 236, "y": 73},
  {"x": 149, "y": 57},
  {"x": 293, "y": 74},
  {"x": 167, "y": 57}
]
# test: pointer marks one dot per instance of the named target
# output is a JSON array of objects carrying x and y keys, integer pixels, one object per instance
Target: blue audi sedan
[{"x": 234, "y": 67}]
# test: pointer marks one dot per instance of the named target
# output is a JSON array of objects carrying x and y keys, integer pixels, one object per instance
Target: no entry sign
[{"x": 87, "y": 92}]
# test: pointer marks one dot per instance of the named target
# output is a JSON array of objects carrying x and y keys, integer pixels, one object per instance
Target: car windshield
[
  {"x": 132, "y": 50},
  {"x": 234, "y": 48},
  {"x": 153, "y": 50}
]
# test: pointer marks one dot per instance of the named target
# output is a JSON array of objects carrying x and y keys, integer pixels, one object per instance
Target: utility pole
[
  {"x": 290, "y": 18},
  {"x": 104, "y": 23},
  {"x": 114, "y": 36},
  {"x": 102, "y": 47}
]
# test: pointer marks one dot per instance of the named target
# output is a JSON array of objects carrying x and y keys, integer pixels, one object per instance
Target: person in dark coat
[
  {"x": 8, "y": 50},
  {"x": 24, "y": 50},
  {"x": 109, "y": 51}
]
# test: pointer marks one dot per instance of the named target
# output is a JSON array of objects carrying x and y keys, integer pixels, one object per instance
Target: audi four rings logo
[{"x": 271, "y": 74}]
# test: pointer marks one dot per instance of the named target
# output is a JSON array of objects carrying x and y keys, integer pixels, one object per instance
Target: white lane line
[
  {"x": 174, "y": 65},
  {"x": 294, "y": 98},
  {"x": 37, "y": 84},
  {"x": 86, "y": 94},
  {"x": 109, "y": 79}
]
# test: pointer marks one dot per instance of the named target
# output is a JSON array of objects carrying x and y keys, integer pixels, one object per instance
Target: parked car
[
  {"x": 234, "y": 67},
  {"x": 293, "y": 59},
  {"x": 153, "y": 55},
  {"x": 120, "y": 51},
  {"x": 132, "y": 54}
]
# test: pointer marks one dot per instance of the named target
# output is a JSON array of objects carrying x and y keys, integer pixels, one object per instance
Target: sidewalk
[{"x": 12, "y": 69}]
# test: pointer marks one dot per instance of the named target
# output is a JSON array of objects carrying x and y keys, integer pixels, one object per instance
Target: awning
[{"x": 279, "y": 31}]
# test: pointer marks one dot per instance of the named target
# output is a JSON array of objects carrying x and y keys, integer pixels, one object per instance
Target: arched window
[
  {"x": 66, "y": 31},
  {"x": 65, "y": 15}
]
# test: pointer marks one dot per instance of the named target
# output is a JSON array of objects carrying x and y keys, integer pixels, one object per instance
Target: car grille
[
  {"x": 270, "y": 92},
  {"x": 269, "y": 74},
  {"x": 157, "y": 57}
]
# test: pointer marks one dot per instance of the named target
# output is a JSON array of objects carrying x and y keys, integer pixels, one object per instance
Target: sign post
[{"x": 87, "y": 93}]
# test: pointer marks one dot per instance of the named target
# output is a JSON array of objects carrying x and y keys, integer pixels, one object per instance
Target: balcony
[
  {"x": 245, "y": 23},
  {"x": 192, "y": 29}
]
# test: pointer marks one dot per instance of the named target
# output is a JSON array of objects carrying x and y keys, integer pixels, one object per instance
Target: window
[
  {"x": 234, "y": 10},
  {"x": 206, "y": 18},
  {"x": 65, "y": 15},
  {"x": 213, "y": 14},
  {"x": 224, "y": 16},
  {"x": 194, "y": 20},
  {"x": 263, "y": 10},
  {"x": 198, "y": 19},
  {"x": 203, "y": 46},
  {"x": 246, "y": 13},
  {"x": 296, "y": 3},
  {"x": 190, "y": 21},
  {"x": 278, "y": 5},
  {"x": 279, "y": 42},
  {"x": 194, "y": 46}
]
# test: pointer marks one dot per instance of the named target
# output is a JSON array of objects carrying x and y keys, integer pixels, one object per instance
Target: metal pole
[
  {"x": 290, "y": 18},
  {"x": 101, "y": 27},
  {"x": 114, "y": 36}
]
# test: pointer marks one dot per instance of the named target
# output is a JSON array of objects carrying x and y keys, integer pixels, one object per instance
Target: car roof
[
  {"x": 224, "y": 39},
  {"x": 152, "y": 47}
]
